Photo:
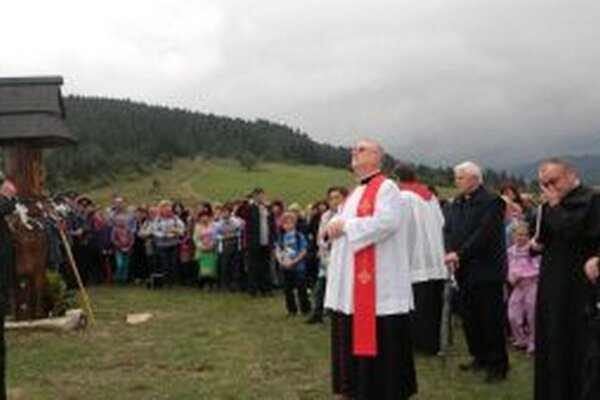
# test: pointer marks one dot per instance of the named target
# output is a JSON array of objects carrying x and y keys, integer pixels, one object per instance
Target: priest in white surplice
[
  {"x": 369, "y": 286},
  {"x": 428, "y": 270}
]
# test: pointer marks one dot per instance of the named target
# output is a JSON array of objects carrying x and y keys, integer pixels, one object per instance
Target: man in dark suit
[
  {"x": 261, "y": 235},
  {"x": 476, "y": 250},
  {"x": 7, "y": 206}
]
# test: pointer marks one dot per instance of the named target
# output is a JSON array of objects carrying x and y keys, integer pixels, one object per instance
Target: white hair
[
  {"x": 373, "y": 143},
  {"x": 469, "y": 167}
]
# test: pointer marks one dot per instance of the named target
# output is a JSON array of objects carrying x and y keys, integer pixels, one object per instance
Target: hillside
[
  {"x": 223, "y": 180},
  {"x": 120, "y": 138}
]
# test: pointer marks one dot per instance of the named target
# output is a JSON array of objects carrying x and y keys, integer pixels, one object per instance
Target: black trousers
[
  {"x": 427, "y": 316},
  {"x": 2, "y": 344},
  {"x": 139, "y": 267},
  {"x": 167, "y": 257},
  {"x": 483, "y": 313},
  {"x": 312, "y": 266},
  {"x": 228, "y": 265},
  {"x": 319, "y": 297},
  {"x": 388, "y": 376},
  {"x": 295, "y": 280},
  {"x": 96, "y": 267},
  {"x": 259, "y": 277},
  {"x": 83, "y": 254}
]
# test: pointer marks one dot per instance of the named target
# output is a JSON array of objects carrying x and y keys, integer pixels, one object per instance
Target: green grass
[
  {"x": 208, "y": 346},
  {"x": 223, "y": 180}
]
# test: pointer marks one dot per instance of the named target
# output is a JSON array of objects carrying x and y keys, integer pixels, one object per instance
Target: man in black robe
[
  {"x": 568, "y": 233},
  {"x": 7, "y": 206}
]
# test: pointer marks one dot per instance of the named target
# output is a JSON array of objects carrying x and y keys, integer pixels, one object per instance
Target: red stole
[
  {"x": 364, "y": 329},
  {"x": 417, "y": 188}
]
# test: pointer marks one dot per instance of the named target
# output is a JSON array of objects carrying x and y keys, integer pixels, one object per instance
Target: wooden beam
[{"x": 26, "y": 170}]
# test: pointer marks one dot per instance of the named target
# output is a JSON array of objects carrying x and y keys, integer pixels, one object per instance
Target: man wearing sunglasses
[
  {"x": 567, "y": 352},
  {"x": 369, "y": 287}
]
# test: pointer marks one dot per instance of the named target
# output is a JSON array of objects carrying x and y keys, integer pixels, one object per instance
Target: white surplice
[
  {"x": 388, "y": 228},
  {"x": 426, "y": 243}
]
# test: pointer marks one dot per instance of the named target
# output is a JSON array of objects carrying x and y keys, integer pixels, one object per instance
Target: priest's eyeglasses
[{"x": 550, "y": 182}]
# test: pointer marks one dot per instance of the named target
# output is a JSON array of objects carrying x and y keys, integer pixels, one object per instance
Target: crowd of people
[
  {"x": 379, "y": 259},
  {"x": 247, "y": 245}
]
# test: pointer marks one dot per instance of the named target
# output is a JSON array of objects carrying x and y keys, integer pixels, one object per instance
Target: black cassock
[
  {"x": 566, "y": 344},
  {"x": 6, "y": 207}
]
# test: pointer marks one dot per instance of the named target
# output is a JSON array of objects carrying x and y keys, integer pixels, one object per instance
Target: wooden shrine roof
[{"x": 32, "y": 112}]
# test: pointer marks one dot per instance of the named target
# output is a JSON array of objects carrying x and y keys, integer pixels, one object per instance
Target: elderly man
[
  {"x": 369, "y": 286},
  {"x": 476, "y": 250},
  {"x": 567, "y": 357},
  {"x": 7, "y": 206}
]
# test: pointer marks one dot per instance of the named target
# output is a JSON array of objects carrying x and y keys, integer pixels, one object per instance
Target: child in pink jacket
[{"x": 523, "y": 271}]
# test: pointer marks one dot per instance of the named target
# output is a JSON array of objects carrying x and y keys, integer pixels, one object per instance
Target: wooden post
[{"x": 26, "y": 170}]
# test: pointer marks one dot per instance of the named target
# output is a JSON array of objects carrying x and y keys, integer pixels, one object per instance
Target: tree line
[{"x": 123, "y": 136}]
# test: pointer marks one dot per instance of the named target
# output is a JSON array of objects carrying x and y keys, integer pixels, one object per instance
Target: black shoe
[
  {"x": 473, "y": 366},
  {"x": 495, "y": 376}
]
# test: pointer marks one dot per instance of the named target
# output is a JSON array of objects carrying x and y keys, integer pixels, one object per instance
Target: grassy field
[
  {"x": 223, "y": 180},
  {"x": 203, "y": 345}
]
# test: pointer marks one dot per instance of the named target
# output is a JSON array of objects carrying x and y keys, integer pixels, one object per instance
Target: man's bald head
[{"x": 367, "y": 156}]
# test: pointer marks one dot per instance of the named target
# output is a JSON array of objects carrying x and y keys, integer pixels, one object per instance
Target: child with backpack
[{"x": 291, "y": 253}]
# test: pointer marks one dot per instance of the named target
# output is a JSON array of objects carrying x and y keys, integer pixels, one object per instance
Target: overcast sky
[{"x": 436, "y": 81}]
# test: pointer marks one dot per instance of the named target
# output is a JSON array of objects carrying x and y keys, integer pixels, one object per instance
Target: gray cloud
[{"x": 436, "y": 81}]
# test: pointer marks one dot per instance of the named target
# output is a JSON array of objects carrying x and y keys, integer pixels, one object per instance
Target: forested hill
[
  {"x": 122, "y": 136},
  {"x": 119, "y": 135}
]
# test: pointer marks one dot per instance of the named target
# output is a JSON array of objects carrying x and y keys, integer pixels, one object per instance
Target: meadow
[
  {"x": 221, "y": 180},
  {"x": 206, "y": 345},
  {"x": 192, "y": 180}
]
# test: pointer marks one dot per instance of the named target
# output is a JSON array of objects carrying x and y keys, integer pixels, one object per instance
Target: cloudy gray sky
[{"x": 499, "y": 81}]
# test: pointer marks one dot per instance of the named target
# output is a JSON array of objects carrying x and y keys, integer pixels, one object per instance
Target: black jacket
[
  {"x": 253, "y": 228},
  {"x": 566, "y": 344},
  {"x": 7, "y": 206},
  {"x": 475, "y": 230}
]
